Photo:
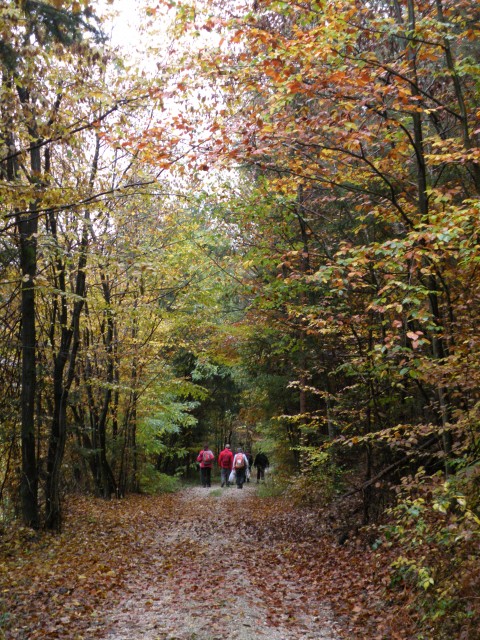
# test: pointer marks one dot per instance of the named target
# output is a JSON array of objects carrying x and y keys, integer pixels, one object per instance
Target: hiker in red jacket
[
  {"x": 206, "y": 458},
  {"x": 225, "y": 461}
]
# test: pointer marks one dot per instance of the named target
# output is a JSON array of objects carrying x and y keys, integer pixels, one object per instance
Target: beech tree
[
  {"x": 357, "y": 123},
  {"x": 36, "y": 35},
  {"x": 54, "y": 169}
]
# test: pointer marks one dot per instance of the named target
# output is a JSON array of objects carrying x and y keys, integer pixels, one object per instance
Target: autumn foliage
[
  {"x": 269, "y": 235},
  {"x": 358, "y": 123}
]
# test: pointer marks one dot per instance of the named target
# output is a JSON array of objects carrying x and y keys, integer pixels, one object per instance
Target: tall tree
[
  {"x": 368, "y": 109},
  {"x": 30, "y": 29}
]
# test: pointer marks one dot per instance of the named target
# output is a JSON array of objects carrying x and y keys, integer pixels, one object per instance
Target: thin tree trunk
[
  {"x": 69, "y": 345},
  {"x": 467, "y": 142},
  {"x": 27, "y": 225},
  {"x": 304, "y": 269},
  {"x": 438, "y": 348}
]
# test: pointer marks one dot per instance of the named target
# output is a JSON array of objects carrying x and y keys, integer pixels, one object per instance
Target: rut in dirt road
[{"x": 223, "y": 563}]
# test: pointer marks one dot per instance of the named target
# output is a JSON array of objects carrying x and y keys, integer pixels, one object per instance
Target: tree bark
[
  {"x": 27, "y": 225},
  {"x": 69, "y": 345}
]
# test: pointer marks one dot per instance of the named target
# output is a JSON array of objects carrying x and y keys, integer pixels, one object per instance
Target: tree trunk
[
  {"x": 56, "y": 447},
  {"x": 27, "y": 225},
  {"x": 438, "y": 347},
  {"x": 467, "y": 142},
  {"x": 69, "y": 345}
]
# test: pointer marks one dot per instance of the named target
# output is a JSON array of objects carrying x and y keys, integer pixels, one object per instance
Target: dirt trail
[{"x": 216, "y": 569}]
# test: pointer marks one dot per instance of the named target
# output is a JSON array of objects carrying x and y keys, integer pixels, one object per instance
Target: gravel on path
[{"x": 204, "y": 578}]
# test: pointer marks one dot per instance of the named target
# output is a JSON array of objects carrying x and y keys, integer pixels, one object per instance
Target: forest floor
[{"x": 201, "y": 564}]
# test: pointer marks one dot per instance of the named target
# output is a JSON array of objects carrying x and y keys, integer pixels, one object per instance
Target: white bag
[{"x": 232, "y": 476}]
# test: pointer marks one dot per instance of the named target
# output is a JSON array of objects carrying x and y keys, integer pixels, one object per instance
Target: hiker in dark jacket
[
  {"x": 206, "y": 458},
  {"x": 225, "y": 462},
  {"x": 261, "y": 463}
]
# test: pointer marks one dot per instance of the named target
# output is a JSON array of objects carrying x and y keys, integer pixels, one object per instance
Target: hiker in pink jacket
[
  {"x": 206, "y": 458},
  {"x": 225, "y": 461}
]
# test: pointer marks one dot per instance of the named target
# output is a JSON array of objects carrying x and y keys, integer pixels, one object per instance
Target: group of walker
[{"x": 233, "y": 467}]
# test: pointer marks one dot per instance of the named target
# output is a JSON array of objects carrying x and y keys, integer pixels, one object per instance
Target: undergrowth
[
  {"x": 154, "y": 482},
  {"x": 435, "y": 531}
]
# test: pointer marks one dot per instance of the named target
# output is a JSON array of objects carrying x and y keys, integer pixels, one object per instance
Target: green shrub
[
  {"x": 318, "y": 483},
  {"x": 436, "y": 530},
  {"x": 153, "y": 482}
]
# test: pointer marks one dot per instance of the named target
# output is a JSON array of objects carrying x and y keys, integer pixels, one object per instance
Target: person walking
[
  {"x": 250, "y": 462},
  {"x": 261, "y": 463},
  {"x": 206, "y": 458},
  {"x": 240, "y": 465},
  {"x": 225, "y": 462}
]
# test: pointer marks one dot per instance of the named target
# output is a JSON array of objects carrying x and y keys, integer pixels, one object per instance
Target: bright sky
[
  {"x": 134, "y": 32},
  {"x": 124, "y": 26}
]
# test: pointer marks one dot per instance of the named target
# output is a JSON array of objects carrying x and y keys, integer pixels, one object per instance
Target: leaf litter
[{"x": 196, "y": 565}]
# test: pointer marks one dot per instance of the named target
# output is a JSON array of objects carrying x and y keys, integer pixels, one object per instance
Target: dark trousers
[
  {"x": 260, "y": 473},
  {"x": 240, "y": 477},
  {"x": 225, "y": 473},
  {"x": 206, "y": 476}
]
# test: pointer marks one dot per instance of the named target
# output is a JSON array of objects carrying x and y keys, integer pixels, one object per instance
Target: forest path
[
  {"x": 220, "y": 565},
  {"x": 200, "y": 564}
]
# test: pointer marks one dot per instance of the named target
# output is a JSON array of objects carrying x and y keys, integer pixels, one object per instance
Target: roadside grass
[{"x": 272, "y": 487}]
